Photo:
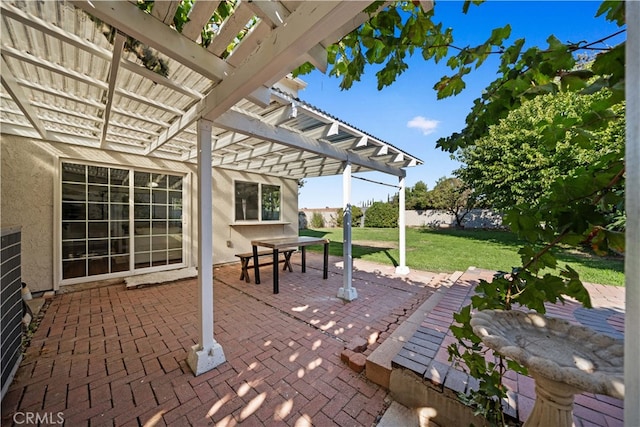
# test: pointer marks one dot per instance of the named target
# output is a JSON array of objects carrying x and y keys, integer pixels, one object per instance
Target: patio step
[
  {"x": 378, "y": 366},
  {"x": 398, "y": 415},
  {"x": 420, "y": 376},
  {"x": 418, "y": 401}
]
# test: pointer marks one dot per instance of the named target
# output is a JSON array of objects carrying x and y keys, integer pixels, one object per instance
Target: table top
[{"x": 289, "y": 241}]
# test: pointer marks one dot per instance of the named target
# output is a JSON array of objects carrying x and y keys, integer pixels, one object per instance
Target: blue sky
[{"x": 408, "y": 115}]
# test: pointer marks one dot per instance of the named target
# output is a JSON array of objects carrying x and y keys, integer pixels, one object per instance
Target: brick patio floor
[
  {"x": 111, "y": 356},
  {"x": 114, "y": 357}
]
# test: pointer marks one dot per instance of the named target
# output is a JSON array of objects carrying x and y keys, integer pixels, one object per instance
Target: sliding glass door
[{"x": 118, "y": 220}]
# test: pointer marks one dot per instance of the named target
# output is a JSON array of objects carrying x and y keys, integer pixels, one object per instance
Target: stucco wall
[
  {"x": 329, "y": 216},
  {"x": 29, "y": 172},
  {"x": 29, "y": 183},
  {"x": 26, "y": 191},
  {"x": 477, "y": 218},
  {"x": 230, "y": 237}
]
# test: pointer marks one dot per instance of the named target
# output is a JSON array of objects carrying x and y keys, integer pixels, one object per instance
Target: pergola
[
  {"x": 71, "y": 75},
  {"x": 63, "y": 81}
]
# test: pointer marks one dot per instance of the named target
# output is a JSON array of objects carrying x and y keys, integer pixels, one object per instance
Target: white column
[
  {"x": 632, "y": 205},
  {"x": 347, "y": 291},
  {"x": 402, "y": 267},
  {"x": 207, "y": 354}
]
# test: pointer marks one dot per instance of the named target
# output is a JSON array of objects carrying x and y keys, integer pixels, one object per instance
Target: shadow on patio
[{"x": 111, "y": 356}]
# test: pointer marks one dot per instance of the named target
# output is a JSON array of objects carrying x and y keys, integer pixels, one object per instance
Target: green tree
[
  {"x": 381, "y": 215},
  {"x": 356, "y": 216},
  {"x": 317, "y": 220},
  {"x": 516, "y": 163},
  {"x": 452, "y": 196},
  {"x": 416, "y": 197}
]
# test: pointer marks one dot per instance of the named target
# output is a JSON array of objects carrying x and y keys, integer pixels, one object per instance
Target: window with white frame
[
  {"x": 117, "y": 220},
  {"x": 257, "y": 202}
]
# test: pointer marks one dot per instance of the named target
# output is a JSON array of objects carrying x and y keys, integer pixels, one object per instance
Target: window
[
  {"x": 246, "y": 201},
  {"x": 257, "y": 202},
  {"x": 98, "y": 216},
  {"x": 270, "y": 203}
]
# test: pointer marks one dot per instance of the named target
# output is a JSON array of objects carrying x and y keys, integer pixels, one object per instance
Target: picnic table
[{"x": 276, "y": 244}]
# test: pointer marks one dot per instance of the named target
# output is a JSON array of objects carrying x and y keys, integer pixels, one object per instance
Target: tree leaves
[
  {"x": 611, "y": 64},
  {"x": 396, "y": 32},
  {"x": 570, "y": 209},
  {"x": 417, "y": 197},
  {"x": 613, "y": 10},
  {"x": 452, "y": 196},
  {"x": 532, "y": 73},
  {"x": 449, "y": 86},
  {"x": 545, "y": 139},
  {"x": 575, "y": 80}
]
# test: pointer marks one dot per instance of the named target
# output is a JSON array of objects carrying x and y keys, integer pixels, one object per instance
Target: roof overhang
[{"x": 63, "y": 81}]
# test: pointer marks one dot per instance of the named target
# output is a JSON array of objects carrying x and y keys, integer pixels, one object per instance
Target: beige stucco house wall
[
  {"x": 231, "y": 237},
  {"x": 26, "y": 196},
  {"x": 30, "y": 197}
]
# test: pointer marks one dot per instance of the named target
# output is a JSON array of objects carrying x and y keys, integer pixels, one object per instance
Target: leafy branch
[
  {"x": 151, "y": 59},
  {"x": 536, "y": 72},
  {"x": 148, "y": 57}
]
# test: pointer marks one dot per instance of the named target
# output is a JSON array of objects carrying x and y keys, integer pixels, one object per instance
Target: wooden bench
[{"x": 247, "y": 258}]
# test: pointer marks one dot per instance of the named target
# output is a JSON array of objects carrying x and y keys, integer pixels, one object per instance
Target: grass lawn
[{"x": 456, "y": 250}]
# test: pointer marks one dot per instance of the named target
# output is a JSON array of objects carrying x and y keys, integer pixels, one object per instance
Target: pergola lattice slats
[{"x": 63, "y": 81}]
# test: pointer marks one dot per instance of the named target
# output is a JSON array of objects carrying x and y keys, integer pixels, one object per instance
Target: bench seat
[{"x": 247, "y": 258}]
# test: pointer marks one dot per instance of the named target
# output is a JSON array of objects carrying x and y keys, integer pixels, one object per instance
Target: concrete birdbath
[{"x": 564, "y": 359}]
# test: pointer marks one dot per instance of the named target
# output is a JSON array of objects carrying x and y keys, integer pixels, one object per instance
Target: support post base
[
  {"x": 402, "y": 270},
  {"x": 202, "y": 360},
  {"x": 347, "y": 294}
]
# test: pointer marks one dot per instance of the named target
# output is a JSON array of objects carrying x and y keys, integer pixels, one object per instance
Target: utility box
[{"x": 11, "y": 304}]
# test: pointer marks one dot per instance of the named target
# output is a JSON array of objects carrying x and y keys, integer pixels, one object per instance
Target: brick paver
[{"x": 116, "y": 357}]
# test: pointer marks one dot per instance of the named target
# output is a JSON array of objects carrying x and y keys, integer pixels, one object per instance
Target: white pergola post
[
  {"x": 402, "y": 267},
  {"x": 632, "y": 205},
  {"x": 207, "y": 354},
  {"x": 347, "y": 292}
]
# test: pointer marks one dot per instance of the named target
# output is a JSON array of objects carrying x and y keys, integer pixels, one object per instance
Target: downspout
[{"x": 207, "y": 354}]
